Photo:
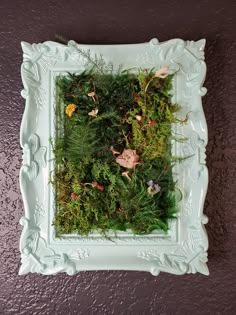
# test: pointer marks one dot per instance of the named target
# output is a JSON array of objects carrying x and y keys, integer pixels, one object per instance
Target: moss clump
[{"x": 113, "y": 115}]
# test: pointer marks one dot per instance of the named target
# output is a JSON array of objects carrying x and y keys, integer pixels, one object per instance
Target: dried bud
[{"x": 136, "y": 97}]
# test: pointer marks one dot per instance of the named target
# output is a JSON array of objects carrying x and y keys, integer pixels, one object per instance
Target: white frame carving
[{"x": 184, "y": 248}]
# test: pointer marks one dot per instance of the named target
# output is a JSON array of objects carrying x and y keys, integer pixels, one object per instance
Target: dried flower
[
  {"x": 126, "y": 174},
  {"x": 93, "y": 113},
  {"x": 161, "y": 73},
  {"x": 185, "y": 120},
  {"x": 153, "y": 188},
  {"x": 74, "y": 196},
  {"x": 96, "y": 185},
  {"x": 129, "y": 158},
  {"x": 152, "y": 123},
  {"x": 138, "y": 117},
  {"x": 92, "y": 94},
  {"x": 121, "y": 210},
  {"x": 70, "y": 109}
]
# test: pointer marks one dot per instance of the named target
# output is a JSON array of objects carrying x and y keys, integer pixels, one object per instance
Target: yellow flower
[{"x": 70, "y": 109}]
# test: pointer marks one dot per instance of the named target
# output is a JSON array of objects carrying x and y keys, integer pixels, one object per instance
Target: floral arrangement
[{"x": 113, "y": 162}]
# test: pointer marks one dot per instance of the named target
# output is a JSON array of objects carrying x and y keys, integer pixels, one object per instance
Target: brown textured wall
[{"x": 123, "y": 21}]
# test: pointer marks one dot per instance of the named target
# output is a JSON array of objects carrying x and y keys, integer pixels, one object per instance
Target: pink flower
[
  {"x": 93, "y": 113},
  {"x": 129, "y": 158},
  {"x": 92, "y": 94},
  {"x": 161, "y": 73}
]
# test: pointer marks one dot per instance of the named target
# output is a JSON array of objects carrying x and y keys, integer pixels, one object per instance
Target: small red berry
[
  {"x": 152, "y": 123},
  {"x": 74, "y": 196},
  {"x": 100, "y": 187}
]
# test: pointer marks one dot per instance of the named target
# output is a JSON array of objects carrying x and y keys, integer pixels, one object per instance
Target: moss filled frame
[{"x": 176, "y": 246}]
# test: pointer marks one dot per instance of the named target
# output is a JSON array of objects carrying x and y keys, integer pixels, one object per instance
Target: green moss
[{"x": 91, "y": 192}]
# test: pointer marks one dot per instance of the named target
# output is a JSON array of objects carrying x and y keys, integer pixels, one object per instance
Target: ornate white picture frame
[{"x": 184, "y": 248}]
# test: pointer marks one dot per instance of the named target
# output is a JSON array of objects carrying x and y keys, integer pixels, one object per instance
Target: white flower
[{"x": 138, "y": 117}]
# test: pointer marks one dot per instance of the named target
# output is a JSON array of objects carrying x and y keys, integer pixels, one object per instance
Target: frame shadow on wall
[{"x": 215, "y": 107}]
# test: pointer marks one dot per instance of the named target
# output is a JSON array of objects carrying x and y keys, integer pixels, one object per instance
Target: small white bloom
[{"x": 93, "y": 113}]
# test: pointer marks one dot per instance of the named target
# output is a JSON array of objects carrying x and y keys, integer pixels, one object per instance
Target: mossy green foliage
[{"x": 134, "y": 112}]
